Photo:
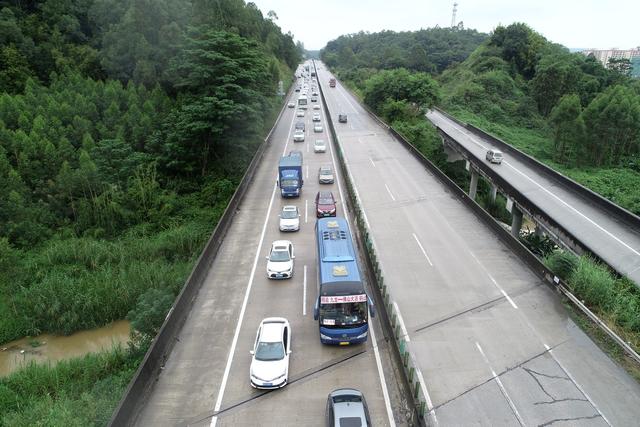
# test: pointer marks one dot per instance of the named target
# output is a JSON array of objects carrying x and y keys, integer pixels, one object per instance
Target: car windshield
[
  {"x": 346, "y": 314},
  {"x": 325, "y": 171},
  {"x": 289, "y": 214},
  {"x": 279, "y": 256},
  {"x": 289, "y": 182},
  {"x": 319, "y": 143},
  {"x": 327, "y": 201},
  {"x": 270, "y": 351}
]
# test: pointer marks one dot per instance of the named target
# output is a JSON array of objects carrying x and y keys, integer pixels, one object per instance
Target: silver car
[
  {"x": 347, "y": 407},
  {"x": 317, "y": 128},
  {"x": 325, "y": 175}
]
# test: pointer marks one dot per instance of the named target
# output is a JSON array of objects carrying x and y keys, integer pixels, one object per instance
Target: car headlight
[
  {"x": 325, "y": 337},
  {"x": 363, "y": 335},
  {"x": 333, "y": 210}
]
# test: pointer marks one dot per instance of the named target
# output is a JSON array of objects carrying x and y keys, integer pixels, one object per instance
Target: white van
[{"x": 494, "y": 156}]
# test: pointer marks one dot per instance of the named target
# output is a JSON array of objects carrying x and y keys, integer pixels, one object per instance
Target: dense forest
[
  {"x": 125, "y": 126},
  {"x": 564, "y": 108}
]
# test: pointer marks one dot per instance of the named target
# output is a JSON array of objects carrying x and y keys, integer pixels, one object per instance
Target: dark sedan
[{"x": 325, "y": 204}]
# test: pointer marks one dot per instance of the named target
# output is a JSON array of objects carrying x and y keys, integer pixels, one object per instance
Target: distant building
[{"x": 603, "y": 55}]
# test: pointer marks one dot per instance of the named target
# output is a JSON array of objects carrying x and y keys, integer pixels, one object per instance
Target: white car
[
  {"x": 280, "y": 260},
  {"x": 291, "y": 105},
  {"x": 300, "y": 113},
  {"x": 298, "y": 136},
  {"x": 316, "y": 107},
  {"x": 270, "y": 355},
  {"x": 320, "y": 146},
  {"x": 317, "y": 128},
  {"x": 289, "y": 219},
  {"x": 316, "y": 117}
]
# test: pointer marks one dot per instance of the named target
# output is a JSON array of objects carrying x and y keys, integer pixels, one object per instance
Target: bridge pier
[
  {"x": 494, "y": 193},
  {"x": 473, "y": 186},
  {"x": 516, "y": 221}
]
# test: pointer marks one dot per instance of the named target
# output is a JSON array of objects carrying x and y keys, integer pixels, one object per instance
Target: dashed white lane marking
[
  {"x": 306, "y": 211},
  {"x": 495, "y": 282},
  {"x": 499, "y": 382},
  {"x": 234, "y": 342},
  {"x": 389, "y": 191},
  {"x": 422, "y": 249}
]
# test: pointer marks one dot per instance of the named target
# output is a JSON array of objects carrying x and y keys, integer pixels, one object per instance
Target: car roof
[
  {"x": 354, "y": 409},
  {"x": 272, "y": 329},
  {"x": 278, "y": 243}
]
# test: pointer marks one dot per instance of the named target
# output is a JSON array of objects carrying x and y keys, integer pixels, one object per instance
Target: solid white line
[
  {"x": 499, "y": 382},
  {"x": 304, "y": 292},
  {"x": 337, "y": 178},
  {"x": 389, "y": 191},
  {"x": 234, "y": 342},
  {"x": 385, "y": 393},
  {"x": 232, "y": 351},
  {"x": 580, "y": 388},
  {"x": 405, "y": 334},
  {"x": 383, "y": 382},
  {"x": 306, "y": 210},
  {"x": 552, "y": 194},
  {"x": 422, "y": 249},
  {"x": 372, "y": 163},
  {"x": 573, "y": 209}
]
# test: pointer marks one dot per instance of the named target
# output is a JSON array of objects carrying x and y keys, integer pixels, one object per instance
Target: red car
[{"x": 325, "y": 204}]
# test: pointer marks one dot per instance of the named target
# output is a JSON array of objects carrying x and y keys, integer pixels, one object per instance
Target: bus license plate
[{"x": 344, "y": 342}]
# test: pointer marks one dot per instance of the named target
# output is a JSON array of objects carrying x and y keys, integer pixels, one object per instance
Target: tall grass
[
  {"x": 614, "y": 299},
  {"x": 77, "y": 392},
  {"x": 79, "y": 283}
]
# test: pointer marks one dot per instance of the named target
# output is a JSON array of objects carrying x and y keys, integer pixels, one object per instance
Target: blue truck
[{"x": 290, "y": 176}]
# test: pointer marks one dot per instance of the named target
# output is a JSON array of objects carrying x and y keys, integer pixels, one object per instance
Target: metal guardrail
[
  {"x": 620, "y": 212},
  {"x": 389, "y": 311},
  {"x": 514, "y": 244},
  {"x": 151, "y": 366}
]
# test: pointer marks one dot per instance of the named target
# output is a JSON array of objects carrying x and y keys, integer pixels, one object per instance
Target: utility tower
[{"x": 453, "y": 15}]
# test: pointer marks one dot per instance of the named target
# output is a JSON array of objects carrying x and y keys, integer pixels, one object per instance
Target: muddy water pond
[{"x": 52, "y": 348}]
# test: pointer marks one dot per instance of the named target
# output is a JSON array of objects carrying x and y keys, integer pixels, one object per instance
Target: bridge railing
[
  {"x": 138, "y": 389},
  {"x": 618, "y": 211}
]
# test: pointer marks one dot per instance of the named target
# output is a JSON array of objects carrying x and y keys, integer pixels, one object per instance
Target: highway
[
  {"x": 495, "y": 346},
  {"x": 605, "y": 235},
  {"x": 205, "y": 381}
]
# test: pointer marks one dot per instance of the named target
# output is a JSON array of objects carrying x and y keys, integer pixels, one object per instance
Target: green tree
[
  {"x": 613, "y": 125},
  {"x": 569, "y": 129},
  {"x": 225, "y": 81}
]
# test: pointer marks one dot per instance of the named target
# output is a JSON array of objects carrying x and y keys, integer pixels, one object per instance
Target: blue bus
[{"x": 342, "y": 307}]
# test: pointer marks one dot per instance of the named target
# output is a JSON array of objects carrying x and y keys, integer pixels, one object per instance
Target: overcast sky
[{"x": 575, "y": 24}]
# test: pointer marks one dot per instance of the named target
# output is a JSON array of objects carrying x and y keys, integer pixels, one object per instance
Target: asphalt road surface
[
  {"x": 494, "y": 344},
  {"x": 606, "y": 236},
  {"x": 207, "y": 372}
]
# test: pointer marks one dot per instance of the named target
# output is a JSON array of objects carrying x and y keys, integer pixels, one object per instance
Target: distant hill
[{"x": 431, "y": 50}]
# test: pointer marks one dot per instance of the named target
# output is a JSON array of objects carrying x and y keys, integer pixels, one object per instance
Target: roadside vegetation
[
  {"x": 125, "y": 127},
  {"x": 563, "y": 108}
]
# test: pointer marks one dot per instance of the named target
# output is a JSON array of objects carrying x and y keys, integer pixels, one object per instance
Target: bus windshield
[{"x": 343, "y": 314}]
